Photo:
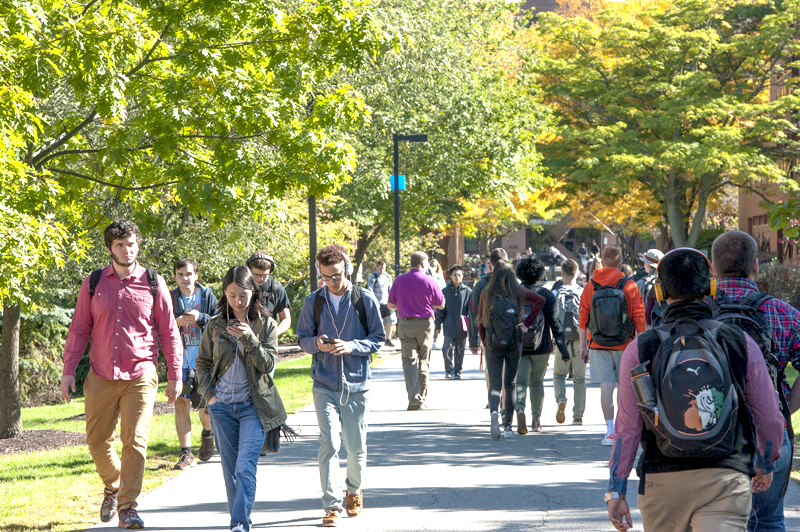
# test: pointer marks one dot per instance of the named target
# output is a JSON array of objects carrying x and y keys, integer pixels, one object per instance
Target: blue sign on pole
[{"x": 402, "y": 182}]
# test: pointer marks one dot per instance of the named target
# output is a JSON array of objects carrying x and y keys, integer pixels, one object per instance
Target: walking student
[
  {"x": 380, "y": 283},
  {"x": 193, "y": 305},
  {"x": 453, "y": 319},
  {"x": 612, "y": 312},
  {"x": 735, "y": 258},
  {"x": 706, "y": 435},
  {"x": 501, "y": 328},
  {"x": 537, "y": 345},
  {"x": 416, "y": 297},
  {"x": 568, "y": 300},
  {"x": 273, "y": 296},
  {"x": 234, "y": 367},
  {"x": 340, "y": 325},
  {"x": 126, "y": 312}
]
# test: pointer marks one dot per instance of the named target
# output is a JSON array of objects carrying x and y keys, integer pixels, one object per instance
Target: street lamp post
[{"x": 396, "y": 178}]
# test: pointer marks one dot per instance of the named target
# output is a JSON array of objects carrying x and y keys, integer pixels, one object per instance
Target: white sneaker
[
  {"x": 608, "y": 440},
  {"x": 495, "y": 426},
  {"x": 508, "y": 433},
  {"x": 238, "y": 528}
]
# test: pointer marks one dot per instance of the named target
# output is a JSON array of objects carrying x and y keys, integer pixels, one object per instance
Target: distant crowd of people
[{"x": 696, "y": 352}]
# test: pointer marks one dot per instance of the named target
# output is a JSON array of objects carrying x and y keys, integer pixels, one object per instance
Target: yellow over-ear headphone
[{"x": 661, "y": 294}]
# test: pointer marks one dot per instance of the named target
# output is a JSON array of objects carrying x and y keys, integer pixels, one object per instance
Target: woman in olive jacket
[{"x": 234, "y": 367}]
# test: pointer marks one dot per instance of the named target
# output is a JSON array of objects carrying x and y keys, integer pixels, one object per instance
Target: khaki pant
[
  {"x": 132, "y": 403},
  {"x": 701, "y": 500},
  {"x": 415, "y": 335}
]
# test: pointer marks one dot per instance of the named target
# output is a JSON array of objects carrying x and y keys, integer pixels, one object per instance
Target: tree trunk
[
  {"x": 364, "y": 241},
  {"x": 10, "y": 413},
  {"x": 674, "y": 214}
]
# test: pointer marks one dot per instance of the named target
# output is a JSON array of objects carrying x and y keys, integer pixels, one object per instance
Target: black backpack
[
  {"x": 748, "y": 316},
  {"x": 609, "y": 318},
  {"x": 501, "y": 332},
  {"x": 569, "y": 308},
  {"x": 657, "y": 314},
  {"x": 697, "y": 396},
  {"x": 355, "y": 298},
  {"x": 532, "y": 340}
]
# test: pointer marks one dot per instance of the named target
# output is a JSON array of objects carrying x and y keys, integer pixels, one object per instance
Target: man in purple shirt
[
  {"x": 125, "y": 321},
  {"x": 416, "y": 297}
]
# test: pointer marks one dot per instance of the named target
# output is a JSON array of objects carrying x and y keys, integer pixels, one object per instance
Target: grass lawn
[{"x": 60, "y": 490}]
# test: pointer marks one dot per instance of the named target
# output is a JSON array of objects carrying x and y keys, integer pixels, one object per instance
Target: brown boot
[
  {"x": 522, "y": 426},
  {"x": 354, "y": 504}
]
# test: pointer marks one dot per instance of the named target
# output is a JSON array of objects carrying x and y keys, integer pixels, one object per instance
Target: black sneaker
[
  {"x": 448, "y": 375},
  {"x": 129, "y": 518},
  {"x": 457, "y": 376},
  {"x": 109, "y": 506},
  {"x": 389, "y": 343}
]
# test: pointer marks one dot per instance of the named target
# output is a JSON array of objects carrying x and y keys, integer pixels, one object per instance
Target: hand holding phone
[{"x": 328, "y": 340}]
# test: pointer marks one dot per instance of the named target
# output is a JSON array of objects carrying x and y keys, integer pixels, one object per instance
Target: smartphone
[
  {"x": 329, "y": 340},
  {"x": 233, "y": 322}
]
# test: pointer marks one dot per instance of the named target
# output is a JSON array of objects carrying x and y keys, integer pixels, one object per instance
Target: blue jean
[
  {"x": 496, "y": 362},
  {"x": 767, "y": 513},
  {"x": 351, "y": 417},
  {"x": 240, "y": 437}
]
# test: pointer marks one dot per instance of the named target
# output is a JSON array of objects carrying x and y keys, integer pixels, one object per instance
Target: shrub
[{"x": 781, "y": 281}]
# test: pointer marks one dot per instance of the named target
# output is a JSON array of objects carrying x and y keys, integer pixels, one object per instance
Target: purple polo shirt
[{"x": 415, "y": 294}]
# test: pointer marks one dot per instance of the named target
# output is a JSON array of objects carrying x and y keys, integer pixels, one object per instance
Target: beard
[{"x": 123, "y": 262}]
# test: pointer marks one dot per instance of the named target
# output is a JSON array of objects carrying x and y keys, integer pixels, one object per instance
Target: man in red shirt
[
  {"x": 605, "y": 360},
  {"x": 125, "y": 322}
]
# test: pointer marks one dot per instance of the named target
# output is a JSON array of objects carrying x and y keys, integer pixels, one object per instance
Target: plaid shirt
[{"x": 783, "y": 318}]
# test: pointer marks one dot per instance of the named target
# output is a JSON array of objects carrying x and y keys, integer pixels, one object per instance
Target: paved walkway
[{"x": 432, "y": 470}]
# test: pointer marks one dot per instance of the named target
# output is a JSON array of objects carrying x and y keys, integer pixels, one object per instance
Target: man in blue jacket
[
  {"x": 193, "y": 305},
  {"x": 341, "y": 326}
]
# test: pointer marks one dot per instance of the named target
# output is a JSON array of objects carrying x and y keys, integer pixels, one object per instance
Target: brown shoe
[
  {"x": 206, "y": 448},
  {"x": 331, "y": 518},
  {"x": 186, "y": 461},
  {"x": 560, "y": 417},
  {"x": 355, "y": 503},
  {"x": 522, "y": 426}
]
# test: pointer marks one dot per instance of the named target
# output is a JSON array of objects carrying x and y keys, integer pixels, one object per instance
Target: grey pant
[
  {"x": 351, "y": 419},
  {"x": 415, "y": 335},
  {"x": 453, "y": 353},
  {"x": 560, "y": 372}
]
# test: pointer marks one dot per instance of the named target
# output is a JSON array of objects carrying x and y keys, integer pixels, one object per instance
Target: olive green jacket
[{"x": 217, "y": 353}]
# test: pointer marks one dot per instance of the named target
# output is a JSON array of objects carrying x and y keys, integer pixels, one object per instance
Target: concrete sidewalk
[{"x": 435, "y": 470}]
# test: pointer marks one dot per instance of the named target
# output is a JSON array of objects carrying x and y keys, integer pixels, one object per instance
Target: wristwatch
[{"x": 613, "y": 495}]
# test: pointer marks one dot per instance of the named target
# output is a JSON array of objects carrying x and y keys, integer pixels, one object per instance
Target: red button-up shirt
[{"x": 125, "y": 325}]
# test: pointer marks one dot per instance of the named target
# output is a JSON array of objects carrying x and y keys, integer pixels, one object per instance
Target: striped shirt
[{"x": 783, "y": 319}]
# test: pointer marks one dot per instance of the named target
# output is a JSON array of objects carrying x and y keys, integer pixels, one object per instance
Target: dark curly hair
[
  {"x": 530, "y": 270},
  {"x": 330, "y": 255},
  {"x": 121, "y": 229}
]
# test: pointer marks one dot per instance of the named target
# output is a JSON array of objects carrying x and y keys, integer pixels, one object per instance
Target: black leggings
[{"x": 496, "y": 362}]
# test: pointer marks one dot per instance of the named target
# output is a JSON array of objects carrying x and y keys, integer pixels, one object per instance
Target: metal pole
[
  {"x": 396, "y": 207},
  {"x": 312, "y": 239}
]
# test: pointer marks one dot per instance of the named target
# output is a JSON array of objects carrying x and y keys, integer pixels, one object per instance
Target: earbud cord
[{"x": 345, "y": 384}]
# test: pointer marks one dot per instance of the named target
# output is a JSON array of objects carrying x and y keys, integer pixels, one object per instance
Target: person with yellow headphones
[{"x": 696, "y": 396}]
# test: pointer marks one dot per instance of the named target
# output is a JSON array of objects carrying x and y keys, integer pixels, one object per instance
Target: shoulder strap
[
  {"x": 358, "y": 304},
  {"x": 622, "y": 282},
  {"x": 93, "y": 280},
  {"x": 595, "y": 284},
  {"x": 756, "y": 299},
  {"x": 319, "y": 304},
  {"x": 152, "y": 280}
]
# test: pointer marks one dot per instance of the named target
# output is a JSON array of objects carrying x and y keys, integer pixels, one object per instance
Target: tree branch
[
  {"x": 146, "y": 59},
  {"x": 106, "y": 183},
  {"x": 66, "y": 152},
  {"x": 64, "y": 138}
]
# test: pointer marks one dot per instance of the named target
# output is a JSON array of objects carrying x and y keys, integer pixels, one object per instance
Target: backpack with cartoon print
[{"x": 696, "y": 397}]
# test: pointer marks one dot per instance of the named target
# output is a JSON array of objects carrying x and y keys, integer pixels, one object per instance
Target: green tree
[
  {"x": 457, "y": 78},
  {"x": 675, "y": 98},
  {"x": 205, "y": 107}
]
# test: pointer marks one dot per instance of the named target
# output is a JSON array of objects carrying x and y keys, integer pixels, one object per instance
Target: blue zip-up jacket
[
  {"x": 327, "y": 370},
  {"x": 208, "y": 304}
]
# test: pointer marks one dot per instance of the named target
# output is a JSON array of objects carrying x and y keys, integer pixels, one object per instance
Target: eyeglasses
[
  {"x": 261, "y": 276},
  {"x": 334, "y": 277}
]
